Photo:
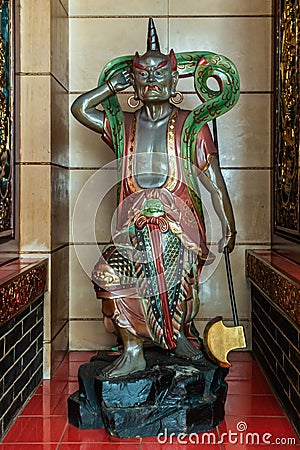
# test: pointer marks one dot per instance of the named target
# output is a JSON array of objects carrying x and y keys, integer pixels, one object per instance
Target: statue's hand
[
  {"x": 230, "y": 244},
  {"x": 228, "y": 241},
  {"x": 120, "y": 81}
]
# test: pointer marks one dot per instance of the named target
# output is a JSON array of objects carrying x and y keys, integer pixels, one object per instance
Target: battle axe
[{"x": 219, "y": 339}]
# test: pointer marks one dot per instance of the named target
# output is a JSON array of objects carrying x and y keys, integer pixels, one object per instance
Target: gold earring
[
  {"x": 132, "y": 105},
  {"x": 179, "y": 98}
]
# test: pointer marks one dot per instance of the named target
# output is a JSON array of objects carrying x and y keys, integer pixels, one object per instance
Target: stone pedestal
[{"x": 173, "y": 395}]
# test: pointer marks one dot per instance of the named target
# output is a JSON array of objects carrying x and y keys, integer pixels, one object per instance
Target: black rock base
[{"x": 173, "y": 395}]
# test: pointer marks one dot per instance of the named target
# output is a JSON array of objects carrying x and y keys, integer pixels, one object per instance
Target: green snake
[{"x": 214, "y": 103}]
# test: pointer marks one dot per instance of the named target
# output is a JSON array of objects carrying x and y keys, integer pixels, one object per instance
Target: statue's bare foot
[
  {"x": 185, "y": 349},
  {"x": 132, "y": 360}
]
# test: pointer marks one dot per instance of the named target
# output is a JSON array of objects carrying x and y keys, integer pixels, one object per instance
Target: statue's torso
[{"x": 151, "y": 155}]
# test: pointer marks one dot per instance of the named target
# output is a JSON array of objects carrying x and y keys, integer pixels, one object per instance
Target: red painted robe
[{"x": 155, "y": 300}]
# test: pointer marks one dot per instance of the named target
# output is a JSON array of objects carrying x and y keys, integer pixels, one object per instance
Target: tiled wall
[
  {"x": 276, "y": 347},
  {"x": 241, "y": 30},
  {"x": 275, "y": 295},
  {"x": 42, "y": 89},
  {"x": 21, "y": 354}
]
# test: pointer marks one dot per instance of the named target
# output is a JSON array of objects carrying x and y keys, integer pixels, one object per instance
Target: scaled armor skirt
[{"x": 147, "y": 280}]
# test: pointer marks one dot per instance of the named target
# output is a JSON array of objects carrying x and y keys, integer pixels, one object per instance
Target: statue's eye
[{"x": 143, "y": 74}]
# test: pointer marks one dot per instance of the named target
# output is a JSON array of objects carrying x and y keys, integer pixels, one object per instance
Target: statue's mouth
[{"x": 151, "y": 87}]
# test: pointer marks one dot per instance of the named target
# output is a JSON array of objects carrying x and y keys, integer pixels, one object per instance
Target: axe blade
[{"x": 219, "y": 340}]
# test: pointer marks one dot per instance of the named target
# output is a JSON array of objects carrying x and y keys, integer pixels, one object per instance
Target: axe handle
[
  {"x": 226, "y": 251},
  {"x": 230, "y": 286},
  {"x": 215, "y": 133}
]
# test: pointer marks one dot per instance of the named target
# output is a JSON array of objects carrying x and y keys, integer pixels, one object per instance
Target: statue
[{"x": 148, "y": 276}]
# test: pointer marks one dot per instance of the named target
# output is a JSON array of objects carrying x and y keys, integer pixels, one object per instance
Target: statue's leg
[
  {"x": 192, "y": 306},
  {"x": 131, "y": 360},
  {"x": 184, "y": 347}
]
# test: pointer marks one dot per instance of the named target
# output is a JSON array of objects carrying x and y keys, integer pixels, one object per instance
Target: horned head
[{"x": 154, "y": 46}]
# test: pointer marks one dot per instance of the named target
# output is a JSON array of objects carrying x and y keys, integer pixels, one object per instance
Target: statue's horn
[
  {"x": 135, "y": 59},
  {"x": 173, "y": 59},
  {"x": 152, "y": 39}
]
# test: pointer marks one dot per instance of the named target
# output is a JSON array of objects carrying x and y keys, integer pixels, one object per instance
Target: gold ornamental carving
[
  {"x": 6, "y": 194},
  {"x": 279, "y": 288},
  {"x": 286, "y": 160},
  {"x": 21, "y": 291}
]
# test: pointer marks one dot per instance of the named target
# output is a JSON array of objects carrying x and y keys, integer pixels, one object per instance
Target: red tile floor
[{"x": 253, "y": 416}]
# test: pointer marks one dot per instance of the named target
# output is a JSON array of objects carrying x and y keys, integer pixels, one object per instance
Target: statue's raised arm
[{"x": 84, "y": 108}]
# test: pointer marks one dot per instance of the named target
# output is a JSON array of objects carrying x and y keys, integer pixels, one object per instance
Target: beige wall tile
[
  {"x": 59, "y": 290},
  {"x": 47, "y": 361},
  {"x": 83, "y": 302},
  {"x": 107, "y": 212},
  {"x": 34, "y": 35},
  {"x": 47, "y": 308},
  {"x": 90, "y": 335},
  {"x": 59, "y": 348},
  {"x": 243, "y": 132},
  {"x": 106, "y": 7},
  {"x": 59, "y": 207},
  {"x": 65, "y": 4},
  {"x": 94, "y": 42},
  {"x": 86, "y": 147},
  {"x": 94, "y": 194},
  {"x": 81, "y": 229},
  {"x": 56, "y": 311},
  {"x": 219, "y": 7},
  {"x": 35, "y": 217},
  {"x": 214, "y": 294},
  {"x": 59, "y": 43},
  {"x": 47, "y": 301},
  {"x": 249, "y": 191},
  {"x": 35, "y": 126},
  {"x": 248, "y": 44},
  {"x": 78, "y": 179},
  {"x": 59, "y": 124}
]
